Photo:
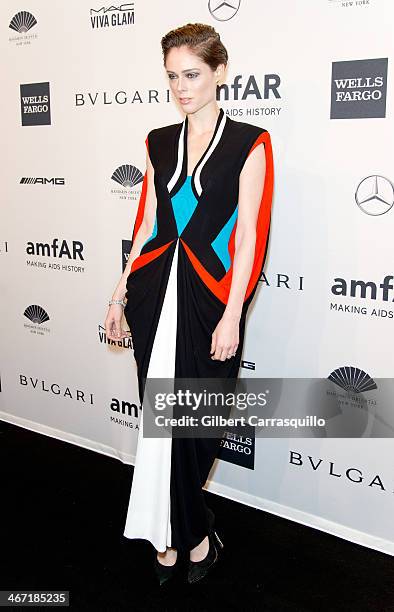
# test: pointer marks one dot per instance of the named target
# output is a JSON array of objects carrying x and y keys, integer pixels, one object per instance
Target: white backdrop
[{"x": 315, "y": 74}]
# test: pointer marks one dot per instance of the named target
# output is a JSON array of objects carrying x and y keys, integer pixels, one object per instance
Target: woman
[{"x": 198, "y": 248}]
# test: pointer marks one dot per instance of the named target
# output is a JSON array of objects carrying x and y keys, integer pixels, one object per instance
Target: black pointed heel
[
  {"x": 165, "y": 572},
  {"x": 198, "y": 569}
]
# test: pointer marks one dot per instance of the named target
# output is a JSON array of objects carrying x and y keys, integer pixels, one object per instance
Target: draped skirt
[{"x": 171, "y": 315}]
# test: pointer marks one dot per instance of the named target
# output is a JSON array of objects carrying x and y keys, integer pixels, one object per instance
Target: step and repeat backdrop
[{"x": 83, "y": 84}]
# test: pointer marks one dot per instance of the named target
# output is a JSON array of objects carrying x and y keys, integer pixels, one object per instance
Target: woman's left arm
[{"x": 225, "y": 338}]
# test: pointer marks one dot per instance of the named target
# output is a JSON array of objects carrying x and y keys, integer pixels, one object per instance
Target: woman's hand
[
  {"x": 225, "y": 338},
  {"x": 113, "y": 321}
]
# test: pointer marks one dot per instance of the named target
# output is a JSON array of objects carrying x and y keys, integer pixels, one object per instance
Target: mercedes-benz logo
[
  {"x": 375, "y": 195},
  {"x": 222, "y": 10}
]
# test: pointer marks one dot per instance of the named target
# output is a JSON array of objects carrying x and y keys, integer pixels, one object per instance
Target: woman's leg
[
  {"x": 192, "y": 459},
  {"x": 169, "y": 557}
]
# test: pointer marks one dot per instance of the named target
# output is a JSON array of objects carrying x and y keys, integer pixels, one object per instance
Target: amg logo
[{"x": 41, "y": 180}]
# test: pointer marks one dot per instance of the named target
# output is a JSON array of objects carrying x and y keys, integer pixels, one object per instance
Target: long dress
[{"x": 177, "y": 291}]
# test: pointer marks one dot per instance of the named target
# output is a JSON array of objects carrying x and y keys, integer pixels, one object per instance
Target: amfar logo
[
  {"x": 251, "y": 89},
  {"x": 358, "y": 89},
  {"x": 222, "y": 10},
  {"x": 22, "y": 22},
  {"x": 363, "y": 290},
  {"x": 41, "y": 180},
  {"x": 375, "y": 195},
  {"x": 37, "y": 315},
  {"x": 35, "y": 104},
  {"x": 112, "y": 16},
  {"x": 126, "y": 409},
  {"x": 44, "y": 249}
]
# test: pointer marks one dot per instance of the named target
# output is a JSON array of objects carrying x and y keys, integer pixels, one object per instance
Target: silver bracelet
[{"x": 117, "y": 302}]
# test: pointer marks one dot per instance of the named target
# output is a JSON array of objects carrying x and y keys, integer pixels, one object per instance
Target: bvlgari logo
[
  {"x": 375, "y": 195},
  {"x": 283, "y": 281},
  {"x": 349, "y": 475},
  {"x": 22, "y": 22},
  {"x": 55, "y": 388},
  {"x": 223, "y": 10},
  {"x": 106, "y": 98},
  {"x": 112, "y": 16},
  {"x": 358, "y": 88}
]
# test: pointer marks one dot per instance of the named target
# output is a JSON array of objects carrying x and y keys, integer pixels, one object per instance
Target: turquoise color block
[
  {"x": 183, "y": 203},
  {"x": 220, "y": 244}
]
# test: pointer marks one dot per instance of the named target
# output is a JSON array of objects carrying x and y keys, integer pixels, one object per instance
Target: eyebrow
[{"x": 187, "y": 70}]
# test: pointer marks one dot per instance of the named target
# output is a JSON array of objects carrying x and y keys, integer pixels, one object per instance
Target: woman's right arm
[{"x": 115, "y": 311}]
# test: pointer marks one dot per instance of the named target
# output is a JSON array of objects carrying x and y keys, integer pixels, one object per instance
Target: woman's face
[{"x": 192, "y": 82}]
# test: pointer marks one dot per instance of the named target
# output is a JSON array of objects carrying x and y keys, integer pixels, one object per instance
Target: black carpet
[{"x": 63, "y": 513}]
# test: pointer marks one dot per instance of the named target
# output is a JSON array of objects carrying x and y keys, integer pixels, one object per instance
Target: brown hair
[{"x": 202, "y": 39}]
